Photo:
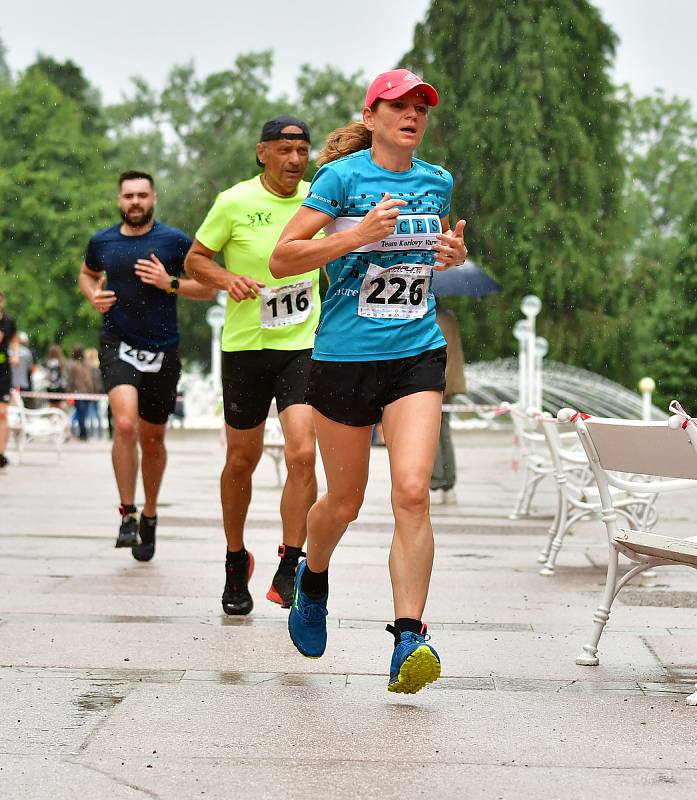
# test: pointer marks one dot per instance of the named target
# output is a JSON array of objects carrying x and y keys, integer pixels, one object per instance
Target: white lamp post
[
  {"x": 215, "y": 317},
  {"x": 520, "y": 331},
  {"x": 530, "y": 307},
  {"x": 647, "y": 386},
  {"x": 541, "y": 350}
]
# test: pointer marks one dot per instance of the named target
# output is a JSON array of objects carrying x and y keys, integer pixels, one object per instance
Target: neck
[
  {"x": 396, "y": 160},
  {"x": 275, "y": 188},
  {"x": 129, "y": 230}
]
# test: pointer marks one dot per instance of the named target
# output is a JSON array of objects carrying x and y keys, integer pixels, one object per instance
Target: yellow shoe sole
[{"x": 420, "y": 668}]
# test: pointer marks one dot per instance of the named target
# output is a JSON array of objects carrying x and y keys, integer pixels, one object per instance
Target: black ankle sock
[
  {"x": 289, "y": 558},
  {"x": 402, "y": 624},
  {"x": 315, "y": 584},
  {"x": 237, "y": 556},
  {"x": 147, "y": 528},
  {"x": 126, "y": 510}
]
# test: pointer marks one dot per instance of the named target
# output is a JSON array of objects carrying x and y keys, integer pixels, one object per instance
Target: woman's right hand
[{"x": 380, "y": 221}]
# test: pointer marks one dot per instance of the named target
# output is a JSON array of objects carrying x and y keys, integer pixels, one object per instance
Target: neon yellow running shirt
[{"x": 245, "y": 222}]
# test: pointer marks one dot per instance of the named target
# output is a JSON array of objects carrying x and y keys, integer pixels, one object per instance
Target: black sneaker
[
  {"x": 3, "y": 461},
  {"x": 282, "y": 586},
  {"x": 146, "y": 529},
  {"x": 128, "y": 532},
  {"x": 236, "y": 597}
]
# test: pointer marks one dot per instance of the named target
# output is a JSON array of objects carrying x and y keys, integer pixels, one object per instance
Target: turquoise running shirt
[{"x": 379, "y": 305}]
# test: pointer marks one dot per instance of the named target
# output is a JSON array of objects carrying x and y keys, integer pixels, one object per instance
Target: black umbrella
[{"x": 467, "y": 279}]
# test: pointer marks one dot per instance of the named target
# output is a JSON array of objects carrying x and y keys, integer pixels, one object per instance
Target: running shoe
[
  {"x": 414, "y": 663},
  {"x": 146, "y": 530},
  {"x": 3, "y": 461},
  {"x": 283, "y": 583},
  {"x": 236, "y": 597},
  {"x": 307, "y": 621},
  {"x": 128, "y": 532}
]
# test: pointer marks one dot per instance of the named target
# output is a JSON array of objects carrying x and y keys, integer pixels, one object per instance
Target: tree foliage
[{"x": 530, "y": 129}]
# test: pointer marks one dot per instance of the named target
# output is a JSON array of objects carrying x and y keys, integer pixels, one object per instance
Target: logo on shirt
[{"x": 259, "y": 219}]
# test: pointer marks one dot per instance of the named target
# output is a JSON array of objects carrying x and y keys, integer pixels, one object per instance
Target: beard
[{"x": 137, "y": 218}]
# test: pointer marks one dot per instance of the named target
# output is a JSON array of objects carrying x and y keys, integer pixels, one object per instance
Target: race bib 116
[{"x": 286, "y": 305}]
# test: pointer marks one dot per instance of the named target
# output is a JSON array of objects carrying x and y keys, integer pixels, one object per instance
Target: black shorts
[
  {"x": 356, "y": 392},
  {"x": 5, "y": 385},
  {"x": 157, "y": 391},
  {"x": 252, "y": 378}
]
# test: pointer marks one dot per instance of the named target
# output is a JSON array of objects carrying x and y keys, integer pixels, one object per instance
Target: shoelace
[
  {"x": 311, "y": 611},
  {"x": 236, "y": 575}
]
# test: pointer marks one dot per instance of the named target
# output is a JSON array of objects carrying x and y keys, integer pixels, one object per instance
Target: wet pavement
[{"x": 125, "y": 680}]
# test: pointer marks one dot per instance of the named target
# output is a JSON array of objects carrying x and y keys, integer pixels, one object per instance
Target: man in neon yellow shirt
[{"x": 267, "y": 343}]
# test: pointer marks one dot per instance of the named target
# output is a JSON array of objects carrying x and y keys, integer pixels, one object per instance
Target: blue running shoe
[
  {"x": 307, "y": 621},
  {"x": 414, "y": 663}
]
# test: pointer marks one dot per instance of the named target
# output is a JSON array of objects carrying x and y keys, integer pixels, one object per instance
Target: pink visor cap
[{"x": 397, "y": 82}]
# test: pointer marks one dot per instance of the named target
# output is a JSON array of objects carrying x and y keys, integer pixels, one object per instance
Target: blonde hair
[{"x": 344, "y": 141}]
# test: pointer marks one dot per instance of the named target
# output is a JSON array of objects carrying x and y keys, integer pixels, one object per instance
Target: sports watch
[{"x": 173, "y": 285}]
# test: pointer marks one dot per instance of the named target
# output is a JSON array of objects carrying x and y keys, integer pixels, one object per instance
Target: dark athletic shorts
[
  {"x": 356, "y": 392},
  {"x": 252, "y": 378},
  {"x": 5, "y": 385},
  {"x": 157, "y": 391}
]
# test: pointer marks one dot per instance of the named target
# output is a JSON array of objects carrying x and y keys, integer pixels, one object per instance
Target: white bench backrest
[{"x": 645, "y": 448}]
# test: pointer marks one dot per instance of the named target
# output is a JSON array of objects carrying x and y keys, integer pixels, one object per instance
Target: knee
[
  {"x": 126, "y": 428},
  {"x": 300, "y": 459},
  {"x": 345, "y": 509},
  {"x": 152, "y": 442},
  {"x": 411, "y": 498},
  {"x": 3, "y": 412},
  {"x": 240, "y": 463}
]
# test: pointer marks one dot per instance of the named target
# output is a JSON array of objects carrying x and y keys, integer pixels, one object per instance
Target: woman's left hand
[{"x": 450, "y": 250}]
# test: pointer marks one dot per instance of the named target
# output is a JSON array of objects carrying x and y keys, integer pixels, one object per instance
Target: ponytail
[{"x": 344, "y": 141}]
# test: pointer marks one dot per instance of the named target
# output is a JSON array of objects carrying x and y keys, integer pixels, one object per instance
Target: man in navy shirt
[{"x": 140, "y": 260}]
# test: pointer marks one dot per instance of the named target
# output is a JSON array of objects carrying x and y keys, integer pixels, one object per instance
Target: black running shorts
[
  {"x": 157, "y": 391},
  {"x": 356, "y": 392},
  {"x": 5, "y": 385},
  {"x": 252, "y": 378}
]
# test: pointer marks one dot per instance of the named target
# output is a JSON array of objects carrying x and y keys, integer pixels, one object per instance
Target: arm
[
  {"x": 13, "y": 350},
  {"x": 297, "y": 252},
  {"x": 200, "y": 266},
  {"x": 153, "y": 272},
  {"x": 92, "y": 286}
]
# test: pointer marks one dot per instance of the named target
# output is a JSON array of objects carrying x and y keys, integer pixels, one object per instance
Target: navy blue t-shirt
[{"x": 143, "y": 316}]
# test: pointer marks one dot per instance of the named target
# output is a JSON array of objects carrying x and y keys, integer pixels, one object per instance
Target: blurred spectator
[
  {"x": 79, "y": 381},
  {"x": 444, "y": 469},
  {"x": 21, "y": 372},
  {"x": 55, "y": 368},
  {"x": 94, "y": 414}
]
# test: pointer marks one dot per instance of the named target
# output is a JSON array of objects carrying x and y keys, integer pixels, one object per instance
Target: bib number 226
[{"x": 400, "y": 292}]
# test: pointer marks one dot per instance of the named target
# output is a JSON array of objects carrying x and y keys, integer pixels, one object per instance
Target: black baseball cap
[{"x": 271, "y": 131}]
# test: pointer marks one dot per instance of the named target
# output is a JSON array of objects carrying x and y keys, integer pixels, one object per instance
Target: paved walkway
[{"x": 125, "y": 680}]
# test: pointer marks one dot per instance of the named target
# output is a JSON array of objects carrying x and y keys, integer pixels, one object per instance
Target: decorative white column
[
  {"x": 215, "y": 317},
  {"x": 647, "y": 386},
  {"x": 530, "y": 307},
  {"x": 541, "y": 350},
  {"x": 520, "y": 331}
]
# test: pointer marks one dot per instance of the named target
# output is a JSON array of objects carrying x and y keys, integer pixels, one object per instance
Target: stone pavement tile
[
  {"x": 677, "y": 653},
  {"x": 332, "y": 778},
  {"x": 42, "y": 777},
  {"x": 365, "y": 725},
  {"x": 260, "y": 648}
]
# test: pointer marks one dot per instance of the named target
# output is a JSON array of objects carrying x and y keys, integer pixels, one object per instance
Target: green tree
[
  {"x": 54, "y": 193},
  {"x": 5, "y": 75},
  {"x": 529, "y": 126},
  {"x": 673, "y": 353}
]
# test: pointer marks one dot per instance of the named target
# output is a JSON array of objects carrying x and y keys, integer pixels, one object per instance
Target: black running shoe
[
  {"x": 236, "y": 597},
  {"x": 128, "y": 532},
  {"x": 146, "y": 549},
  {"x": 3, "y": 461},
  {"x": 283, "y": 584}
]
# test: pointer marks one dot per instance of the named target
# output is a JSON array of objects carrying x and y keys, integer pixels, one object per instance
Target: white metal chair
[
  {"x": 29, "y": 425},
  {"x": 534, "y": 458},
  {"x": 579, "y": 498},
  {"x": 665, "y": 450}
]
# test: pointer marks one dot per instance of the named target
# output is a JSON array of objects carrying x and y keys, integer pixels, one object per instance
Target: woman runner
[{"x": 379, "y": 353}]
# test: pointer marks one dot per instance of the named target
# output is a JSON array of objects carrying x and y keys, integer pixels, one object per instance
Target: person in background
[
  {"x": 79, "y": 381},
  {"x": 94, "y": 416},
  {"x": 444, "y": 473},
  {"x": 55, "y": 370},
  {"x": 8, "y": 359},
  {"x": 21, "y": 373}
]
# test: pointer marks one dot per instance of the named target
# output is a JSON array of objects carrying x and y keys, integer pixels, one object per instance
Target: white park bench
[
  {"x": 29, "y": 425},
  {"x": 665, "y": 451}
]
